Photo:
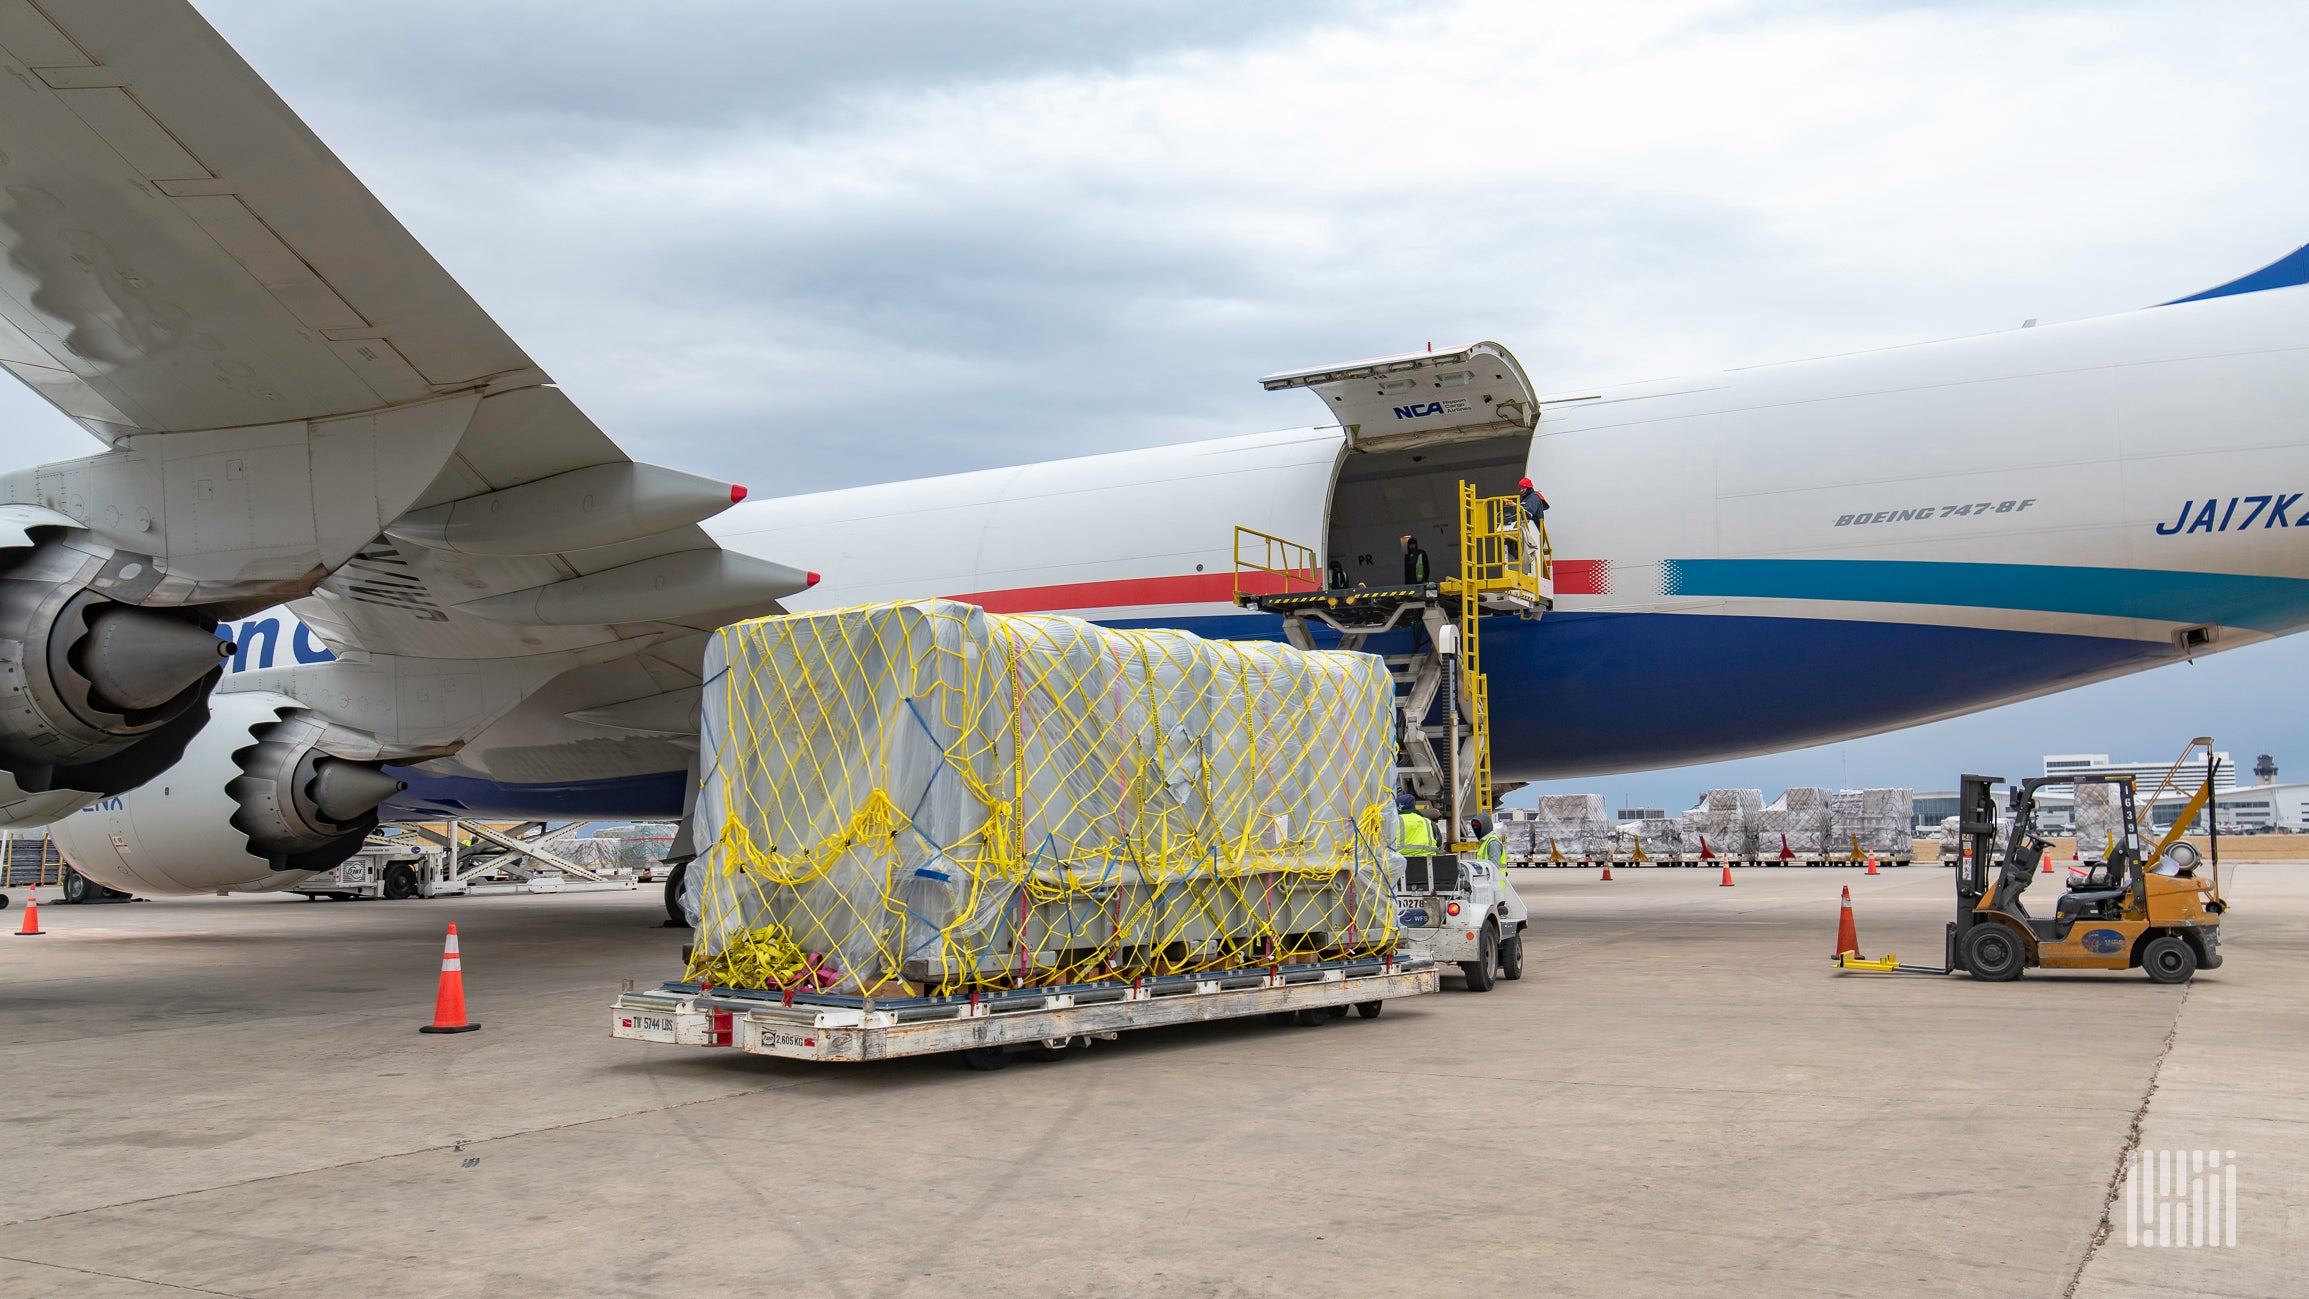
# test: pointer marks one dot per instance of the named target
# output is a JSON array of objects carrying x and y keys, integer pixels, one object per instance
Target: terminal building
[
  {"x": 2145, "y": 774},
  {"x": 2263, "y": 806}
]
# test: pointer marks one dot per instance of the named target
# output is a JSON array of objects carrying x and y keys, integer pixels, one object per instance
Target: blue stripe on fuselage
[
  {"x": 2271, "y": 604},
  {"x": 1586, "y": 694}
]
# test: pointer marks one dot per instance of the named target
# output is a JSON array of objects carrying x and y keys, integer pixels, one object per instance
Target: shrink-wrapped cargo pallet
[
  {"x": 1726, "y": 819},
  {"x": 1516, "y": 836},
  {"x": 1951, "y": 837},
  {"x": 1572, "y": 826},
  {"x": 1796, "y": 823},
  {"x": 1660, "y": 837},
  {"x": 644, "y": 844},
  {"x": 1878, "y": 821},
  {"x": 927, "y": 794}
]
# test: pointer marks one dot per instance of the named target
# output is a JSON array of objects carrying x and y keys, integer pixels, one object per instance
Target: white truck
[{"x": 1462, "y": 910}]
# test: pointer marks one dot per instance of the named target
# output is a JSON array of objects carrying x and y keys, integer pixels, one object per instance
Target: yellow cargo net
[{"x": 931, "y": 797}]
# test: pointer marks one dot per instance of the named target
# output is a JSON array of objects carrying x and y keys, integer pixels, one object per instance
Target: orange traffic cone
[
  {"x": 1847, "y": 938},
  {"x": 449, "y": 1003},
  {"x": 1872, "y": 865},
  {"x": 31, "y": 926},
  {"x": 1727, "y": 875},
  {"x": 1606, "y": 873}
]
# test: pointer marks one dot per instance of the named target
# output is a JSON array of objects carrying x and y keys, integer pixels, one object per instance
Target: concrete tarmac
[{"x": 229, "y": 1096}]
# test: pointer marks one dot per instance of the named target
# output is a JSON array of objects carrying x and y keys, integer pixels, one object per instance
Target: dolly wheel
[
  {"x": 2168, "y": 958},
  {"x": 1369, "y": 1009},
  {"x": 982, "y": 1059},
  {"x": 1049, "y": 1050},
  {"x": 1993, "y": 953}
]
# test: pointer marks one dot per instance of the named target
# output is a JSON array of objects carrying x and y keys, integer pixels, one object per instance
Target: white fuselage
[{"x": 1750, "y": 561}]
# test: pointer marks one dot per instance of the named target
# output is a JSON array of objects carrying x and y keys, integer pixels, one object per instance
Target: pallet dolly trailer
[{"x": 989, "y": 1025}]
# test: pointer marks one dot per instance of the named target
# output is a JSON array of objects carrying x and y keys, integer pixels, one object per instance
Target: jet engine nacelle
[
  {"x": 253, "y": 805},
  {"x": 97, "y": 695}
]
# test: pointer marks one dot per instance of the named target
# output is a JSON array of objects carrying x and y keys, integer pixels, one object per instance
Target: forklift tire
[
  {"x": 1994, "y": 953},
  {"x": 1370, "y": 1009},
  {"x": 1479, "y": 971},
  {"x": 400, "y": 881},
  {"x": 2168, "y": 958},
  {"x": 674, "y": 919},
  {"x": 1511, "y": 958}
]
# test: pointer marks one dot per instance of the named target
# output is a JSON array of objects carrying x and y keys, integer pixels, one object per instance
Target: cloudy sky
[{"x": 808, "y": 245}]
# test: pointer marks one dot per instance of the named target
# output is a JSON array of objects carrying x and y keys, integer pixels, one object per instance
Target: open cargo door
[{"x": 1468, "y": 393}]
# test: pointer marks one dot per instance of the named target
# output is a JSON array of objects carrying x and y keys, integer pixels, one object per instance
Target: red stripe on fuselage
[
  {"x": 1572, "y": 577},
  {"x": 1583, "y": 577}
]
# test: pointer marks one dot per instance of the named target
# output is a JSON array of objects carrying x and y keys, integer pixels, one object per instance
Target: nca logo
[{"x": 1447, "y": 406}]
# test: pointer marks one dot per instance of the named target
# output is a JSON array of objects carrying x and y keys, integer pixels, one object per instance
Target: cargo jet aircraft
[{"x": 487, "y": 601}]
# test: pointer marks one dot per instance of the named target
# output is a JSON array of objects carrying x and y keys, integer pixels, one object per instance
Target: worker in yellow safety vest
[
  {"x": 1493, "y": 847},
  {"x": 1414, "y": 834}
]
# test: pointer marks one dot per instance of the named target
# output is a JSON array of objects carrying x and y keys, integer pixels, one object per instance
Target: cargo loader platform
[{"x": 837, "y": 1029}]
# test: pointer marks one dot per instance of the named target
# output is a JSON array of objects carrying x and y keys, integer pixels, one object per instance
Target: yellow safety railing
[
  {"x": 1280, "y": 567},
  {"x": 1499, "y": 551}
]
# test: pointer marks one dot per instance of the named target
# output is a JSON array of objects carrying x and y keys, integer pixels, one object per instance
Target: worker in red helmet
[
  {"x": 1534, "y": 507},
  {"x": 1534, "y": 504}
]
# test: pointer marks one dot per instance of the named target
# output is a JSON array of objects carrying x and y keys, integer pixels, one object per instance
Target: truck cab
[{"x": 1461, "y": 909}]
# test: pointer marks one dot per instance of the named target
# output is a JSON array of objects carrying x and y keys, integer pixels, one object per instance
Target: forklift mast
[{"x": 1976, "y": 830}]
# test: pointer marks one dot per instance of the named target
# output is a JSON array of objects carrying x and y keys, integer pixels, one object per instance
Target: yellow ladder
[{"x": 1498, "y": 565}]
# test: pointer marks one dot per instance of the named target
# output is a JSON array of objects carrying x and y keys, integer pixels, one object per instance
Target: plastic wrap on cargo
[
  {"x": 1573, "y": 826},
  {"x": 644, "y": 844},
  {"x": 1797, "y": 823},
  {"x": 1879, "y": 821},
  {"x": 1660, "y": 837},
  {"x": 1951, "y": 836},
  {"x": 1516, "y": 835},
  {"x": 931, "y": 793},
  {"x": 595, "y": 854},
  {"x": 2100, "y": 819},
  {"x": 1726, "y": 818}
]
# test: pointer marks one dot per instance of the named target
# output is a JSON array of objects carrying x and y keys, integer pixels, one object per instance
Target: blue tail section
[{"x": 2284, "y": 273}]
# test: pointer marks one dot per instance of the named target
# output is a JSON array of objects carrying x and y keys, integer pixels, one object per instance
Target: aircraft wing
[
  {"x": 183, "y": 253},
  {"x": 301, "y": 404}
]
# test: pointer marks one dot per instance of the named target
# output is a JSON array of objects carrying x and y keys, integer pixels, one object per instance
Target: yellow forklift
[{"x": 2159, "y": 910}]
